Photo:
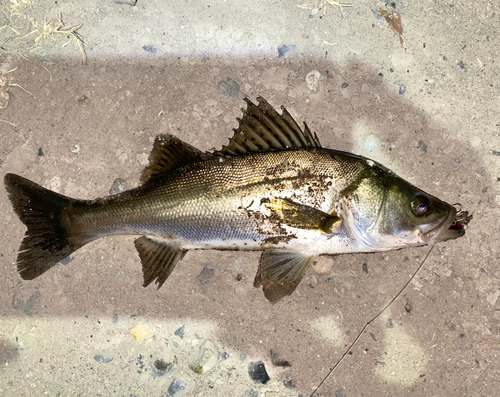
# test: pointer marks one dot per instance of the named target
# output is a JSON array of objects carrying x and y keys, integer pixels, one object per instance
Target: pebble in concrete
[
  {"x": 204, "y": 359},
  {"x": 103, "y": 358},
  {"x": 119, "y": 185},
  {"x": 257, "y": 372},
  {"x": 177, "y": 386}
]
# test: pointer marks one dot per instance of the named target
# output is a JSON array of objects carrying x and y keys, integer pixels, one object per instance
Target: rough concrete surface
[{"x": 429, "y": 111}]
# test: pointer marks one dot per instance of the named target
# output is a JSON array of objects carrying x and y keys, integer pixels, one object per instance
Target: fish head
[{"x": 382, "y": 212}]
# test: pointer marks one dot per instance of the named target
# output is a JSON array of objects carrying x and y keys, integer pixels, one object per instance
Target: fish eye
[{"x": 420, "y": 205}]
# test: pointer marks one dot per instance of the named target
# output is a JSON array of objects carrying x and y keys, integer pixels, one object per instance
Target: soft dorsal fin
[
  {"x": 263, "y": 129},
  {"x": 169, "y": 153}
]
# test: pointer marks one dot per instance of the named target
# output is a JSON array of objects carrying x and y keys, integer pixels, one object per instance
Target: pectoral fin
[
  {"x": 299, "y": 215},
  {"x": 158, "y": 259},
  {"x": 280, "y": 272}
]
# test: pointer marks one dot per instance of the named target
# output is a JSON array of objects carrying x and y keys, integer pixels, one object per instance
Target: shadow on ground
[{"x": 85, "y": 126}]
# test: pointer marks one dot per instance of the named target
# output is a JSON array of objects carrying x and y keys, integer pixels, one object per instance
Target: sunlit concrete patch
[
  {"x": 403, "y": 359},
  {"x": 365, "y": 138},
  {"x": 141, "y": 356},
  {"x": 369, "y": 142},
  {"x": 328, "y": 328}
]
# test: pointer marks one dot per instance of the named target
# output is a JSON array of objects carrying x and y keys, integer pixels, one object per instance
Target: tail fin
[{"x": 46, "y": 242}]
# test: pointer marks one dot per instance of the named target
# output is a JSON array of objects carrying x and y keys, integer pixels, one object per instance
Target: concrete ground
[{"x": 428, "y": 110}]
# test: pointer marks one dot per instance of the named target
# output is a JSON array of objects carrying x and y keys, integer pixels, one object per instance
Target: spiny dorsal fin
[
  {"x": 169, "y": 153},
  {"x": 263, "y": 129},
  {"x": 158, "y": 259},
  {"x": 280, "y": 271}
]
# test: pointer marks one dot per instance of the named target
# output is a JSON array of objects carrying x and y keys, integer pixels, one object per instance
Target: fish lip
[{"x": 435, "y": 234}]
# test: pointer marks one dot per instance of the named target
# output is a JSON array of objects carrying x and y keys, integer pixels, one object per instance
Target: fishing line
[{"x": 368, "y": 324}]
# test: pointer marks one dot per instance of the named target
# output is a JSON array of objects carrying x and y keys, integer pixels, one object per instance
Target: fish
[{"x": 273, "y": 188}]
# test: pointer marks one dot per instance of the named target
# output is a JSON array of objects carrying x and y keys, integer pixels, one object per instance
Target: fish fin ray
[
  {"x": 280, "y": 271},
  {"x": 263, "y": 129},
  {"x": 300, "y": 216},
  {"x": 169, "y": 153},
  {"x": 46, "y": 240},
  {"x": 158, "y": 259}
]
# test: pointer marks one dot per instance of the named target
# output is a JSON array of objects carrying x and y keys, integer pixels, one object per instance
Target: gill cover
[{"x": 383, "y": 211}]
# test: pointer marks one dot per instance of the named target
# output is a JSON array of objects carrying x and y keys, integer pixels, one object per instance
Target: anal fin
[
  {"x": 158, "y": 259},
  {"x": 280, "y": 271}
]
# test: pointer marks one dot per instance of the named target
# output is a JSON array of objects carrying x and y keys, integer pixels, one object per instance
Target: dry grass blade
[
  {"x": 5, "y": 84},
  {"x": 50, "y": 28},
  {"x": 324, "y": 4}
]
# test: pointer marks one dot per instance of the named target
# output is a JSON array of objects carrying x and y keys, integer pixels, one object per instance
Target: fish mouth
[{"x": 451, "y": 227}]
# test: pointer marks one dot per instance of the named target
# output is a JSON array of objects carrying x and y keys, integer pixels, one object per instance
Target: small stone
[
  {"x": 206, "y": 274},
  {"x": 75, "y": 149},
  {"x": 388, "y": 324},
  {"x": 322, "y": 265},
  {"x": 161, "y": 368},
  {"x": 119, "y": 185},
  {"x": 493, "y": 297},
  {"x": 282, "y": 50},
  {"x": 205, "y": 359},
  {"x": 176, "y": 386},
  {"x": 312, "y": 80},
  {"x": 422, "y": 146},
  {"x": 344, "y": 85},
  {"x": 103, "y": 358},
  {"x": 83, "y": 101},
  {"x": 40, "y": 152},
  {"x": 227, "y": 86},
  {"x": 289, "y": 381},
  {"x": 55, "y": 183},
  {"x": 250, "y": 393},
  {"x": 141, "y": 332},
  {"x": 365, "y": 268},
  {"x": 150, "y": 48},
  {"x": 402, "y": 89},
  {"x": 180, "y": 332},
  {"x": 140, "y": 363},
  {"x": 257, "y": 372}
]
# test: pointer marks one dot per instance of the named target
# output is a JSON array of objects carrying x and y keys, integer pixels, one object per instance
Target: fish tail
[{"x": 46, "y": 241}]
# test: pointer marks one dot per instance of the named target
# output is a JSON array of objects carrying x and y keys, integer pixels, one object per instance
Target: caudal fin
[{"x": 46, "y": 242}]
